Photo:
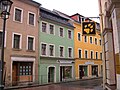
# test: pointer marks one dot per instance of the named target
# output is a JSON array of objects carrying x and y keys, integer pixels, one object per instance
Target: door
[
  {"x": 51, "y": 75},
  {"x": 14, "y": 73}
]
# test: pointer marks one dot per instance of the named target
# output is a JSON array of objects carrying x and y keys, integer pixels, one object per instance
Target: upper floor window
[
  {"x": 85, "y": 38},
  {"x": 79, "y": 37},
  {"x": 69, "y": 52},
  {"x": 96, "y": 41},
  {"x": 100, "y": 41},
  {"x": 100, "y": 55},
  {"x": 31, "y": 17},
  {"x": 18, "y": 14},
  {"x": 91, "y": 54},
  {"x": 61, "y": 32},
  {"x": 96, "y": 55},
  {"x": 43, "y": 49},
  {"x": 51, "y": 28},
  {"x": 86, "y": 54},
  {"x": 61, "y": 51},
  {"x": 69, "y": 34},
  {"x": 44, "y": 27},
  {"x": 91, "y": 41},
  {"x": 51, "y": 50},
  {"x": 80, "y": 53},
  {"x": 17, "y": 41},
  {"x": 31, "y": 43}
]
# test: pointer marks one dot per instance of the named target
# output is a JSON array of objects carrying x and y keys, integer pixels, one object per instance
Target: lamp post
[{"x": 5, "y": 6}]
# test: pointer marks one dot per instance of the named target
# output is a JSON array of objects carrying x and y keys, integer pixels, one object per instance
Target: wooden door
[{"x": 14, "y": 74}]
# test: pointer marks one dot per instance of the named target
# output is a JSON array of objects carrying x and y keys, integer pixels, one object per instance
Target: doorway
[{"x": 51, "y": 72}]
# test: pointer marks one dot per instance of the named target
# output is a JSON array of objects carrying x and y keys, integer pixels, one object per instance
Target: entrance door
[
  {"x": 82, "y": 71},
  {"x": 14, "y": 73},
  {"x": 51, "y": 72}
]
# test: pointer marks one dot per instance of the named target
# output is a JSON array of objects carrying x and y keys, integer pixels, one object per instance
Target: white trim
[
  {"x": 33, "y": 42},
  {"x": 63, "y": 51},
  {"x": 71, "y": 52},
  {"x": 78, "y": 52},
  {"x": 5, "y": 37},
  {"x": 46, "y": 48},
  {"x": 53, "y": 50},
  {"x": 53, "y": 28},
  {"x": 54, "y": 72},
  {"x": 29, "y": 12},
  {"x": 46, "y": 26},
  {"x": 87, "y": 53},
  {"x": 63, "y": 31},
  {"x": 90, "y": 54},
  {"x": 21, "y": 15},
  {"x": 20, "y": 39},
  {"x": 80, "y": 36}
]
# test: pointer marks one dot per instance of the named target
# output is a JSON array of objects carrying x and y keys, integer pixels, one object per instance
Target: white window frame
[
  {"x": 46, "y": 49},
  {"x": 53, "y": 50},
  {"x": 63, "y": 51},
  {"x": 68, "y": 34},
  {"x": 34, "y": 18},
  {"x": 99, "y": 42},
  {"x": 97, "y": 54},
  {"x": 90, "y": 54},
  {"x": 5, "y": 37},
  {"x": 80, "y": 36},
  {"x": 63, "y": 32},
  {"x": 46, "y": 26},
  {"x": 71, "y": 52},
  {"x": 92, "y": 40},
  {"x": 21, "y": 15},
  {"x": 33, "y": 42},
  {"x": 53, "y": 28},
  {"x": 20, "y": 39},
  {"x": 87, "y": 53},
  {"x": 86, "y": 38},
  {"x": 78, "y": 52}
]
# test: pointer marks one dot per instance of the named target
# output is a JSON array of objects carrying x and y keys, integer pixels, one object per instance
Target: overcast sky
[{"x": 87, "y": 8}]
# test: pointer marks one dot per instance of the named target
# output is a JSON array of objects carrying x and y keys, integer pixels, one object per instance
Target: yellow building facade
[{"x": 88, "y": 52}]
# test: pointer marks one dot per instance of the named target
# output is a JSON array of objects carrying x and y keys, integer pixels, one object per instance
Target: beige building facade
[
  {"x": 21, "y": 42},
  {"x": 110, "y": 25}
]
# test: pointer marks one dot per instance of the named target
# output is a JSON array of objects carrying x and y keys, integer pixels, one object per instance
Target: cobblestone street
[{"x": 91, "y": 84}]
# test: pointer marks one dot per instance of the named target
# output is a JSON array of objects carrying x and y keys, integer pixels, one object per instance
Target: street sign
[{"x": 89, "y": 28}]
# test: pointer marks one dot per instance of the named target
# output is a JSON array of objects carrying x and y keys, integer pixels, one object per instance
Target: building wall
[{"x": 24, "y": 29}]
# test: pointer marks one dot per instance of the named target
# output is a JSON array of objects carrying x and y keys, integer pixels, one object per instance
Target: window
[
  {"x": 31, "y": 18},
  {"x": 61, "y": 51},
  {"x": 79, "y": 37},
  {"x": 18, "y": 15},
  {"x": 0, "y": 39},
  {"x": 96, "y": 41},
  {"x": 43, "y": 49},
  {"x": 69, "y": 52},
  {"x": 25, "y": 68},
  {"x": 69, "y": 34},
  {"x": 91, "y": 54},
  {"x": 44, "y": 27},
  {"x": 16, "y": 42},
  {"x": 100, "y": 41},
  {"x": 30, "y": 43},
  {"x": 51, "y": 50},
  {"x": 51, "y": 27},
  {"x": 91, "y": 40},
  {"x": 85, "y": 38},
  {"x": 86, "y": 54},
  {"x": 96, "y": 55},
  {"x": 61, "y": 32},
  {"x": 100, "y": 55},
  {"x": 80, "y": 53}
]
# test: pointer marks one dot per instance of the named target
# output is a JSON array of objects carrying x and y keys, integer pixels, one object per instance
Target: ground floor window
[{"x": 95, "y": 70}]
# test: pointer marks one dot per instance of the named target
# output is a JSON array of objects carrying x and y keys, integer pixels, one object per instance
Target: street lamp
[{"x": 5, "y": 6}]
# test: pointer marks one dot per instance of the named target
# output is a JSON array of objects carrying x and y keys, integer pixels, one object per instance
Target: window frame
[
  {"x": 59, "y": 32},
  {"x": 53, "y": 28},
  {"x": 21, "y": 15},
  {"x": 96, "y": 55},
  {"x": 78, "y": 36},
  {"x": 71, "y": 52},
  {"x": 85, "y": 39},
  {"x": 46, "y": 26},
  {"x": 96, "y": 42},
  {"x": 20, "y": 44},
  {"x": 85, "y": 54},
  {"x": 41, "y": 49},
  {"x": 33, "y": 42},
  {"x": 29, "y": 12},
  {"x": 53, "y": 50},
  {"x": 79, "y": 54},
  {"x": 63, "y": 51},
  {"x": 91, "y": 38},
  {"x": 5, "y": 38},
  {"x": 90, "y": 54},
  {"x": 68, "y": 34}
]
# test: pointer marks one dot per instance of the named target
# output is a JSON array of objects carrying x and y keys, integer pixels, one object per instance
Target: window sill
[
  {"x": 15, "y": 49},
  {"x": 30, "y": 50}
]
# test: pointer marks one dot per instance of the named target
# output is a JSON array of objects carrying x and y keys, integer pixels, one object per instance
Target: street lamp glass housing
[{"x": 5, "y": 6}]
